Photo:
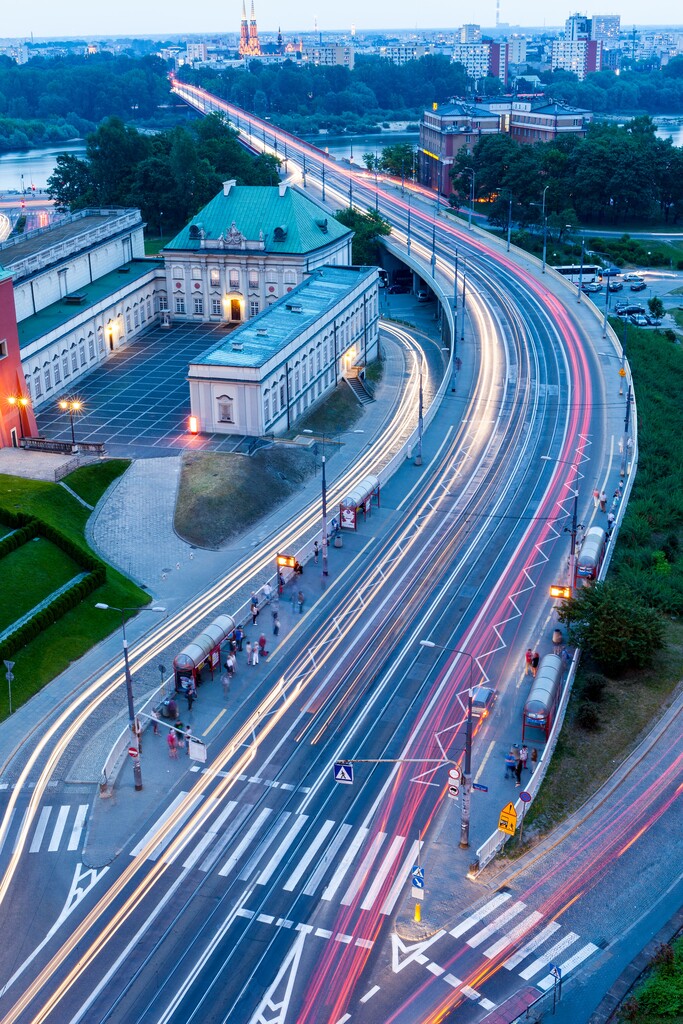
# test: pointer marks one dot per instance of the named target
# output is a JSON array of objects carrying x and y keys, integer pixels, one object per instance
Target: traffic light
[{"x": 560, "y": 591}]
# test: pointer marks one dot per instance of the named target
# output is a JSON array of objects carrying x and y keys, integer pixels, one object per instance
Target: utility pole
[{"x": 324, "y": 522}]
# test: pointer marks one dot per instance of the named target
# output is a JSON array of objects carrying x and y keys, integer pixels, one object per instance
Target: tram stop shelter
[
  {"x": 204, "y": 650},
  {"x": 360, "y": 499}
]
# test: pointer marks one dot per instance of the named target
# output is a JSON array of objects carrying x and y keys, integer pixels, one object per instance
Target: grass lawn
[
  {"x": 90, "y": 482},
  {"x": 74, "y": 634},
  {"x": 39, "y": 567},
  {"x": 154, "y": 245},
  {"x": 221, "y": 495},
  {"x": 336, "y": 414}
]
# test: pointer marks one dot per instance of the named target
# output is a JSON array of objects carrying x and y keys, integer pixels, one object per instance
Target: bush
[
  {"x": 588, "y": 716},
  {"x": 594, "y": 686}
]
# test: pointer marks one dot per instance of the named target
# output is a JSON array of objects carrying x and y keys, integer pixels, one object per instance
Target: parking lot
[{"x": 138, "y": 401}]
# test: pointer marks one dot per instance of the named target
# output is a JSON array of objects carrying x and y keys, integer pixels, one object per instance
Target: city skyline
[{"x": 77, "y": 20}]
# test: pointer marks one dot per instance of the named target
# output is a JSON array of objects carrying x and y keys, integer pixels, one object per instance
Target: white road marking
[
  {"x": 365, "y": 865},
  {"x": 401, "y": 878},
  {"x": 515, "y": 933},
  {"x": 264, "y": 846},
  {"x": 550, "y": 954},
  {"x": 276, "y": 859},
  {"x": 346, "y": 861},
  {"x": 384, "y": 869},
  {"x": 368, "y": 995},
  {"x": 530, "y": 946},
  {"x": 237, "y": 853},
  {"x": 308, "y": 856},
  {"x": 40, "y": 830},
  {"x": 330, "y": 853},
  {"x": 495, "y": 926},
  {"x": 225, "y": 839},
  {"x": 75, "y": 836},
  {"x": 569, "y": 965},
  {"x": 474, "y": 918},
  {"x": 58, "y": 829}
]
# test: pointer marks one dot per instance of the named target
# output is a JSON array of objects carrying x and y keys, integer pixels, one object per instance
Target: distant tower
[
  {"x": 280, "y": 41},
  {"x": 249, "y": 41},
  {"x": 497, "y": 13}
]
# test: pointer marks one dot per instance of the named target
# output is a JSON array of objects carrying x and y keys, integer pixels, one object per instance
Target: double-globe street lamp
[
  {"x": 467, "y": 768},
  {"x": 20, "y": 403},
  {"x": 71, "y": 405},
  {"x": 134, "y": 739},
  {"x": 324, "y": 544}
]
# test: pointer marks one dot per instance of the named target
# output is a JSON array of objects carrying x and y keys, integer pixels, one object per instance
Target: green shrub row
[{"x": 27, "y": 527}]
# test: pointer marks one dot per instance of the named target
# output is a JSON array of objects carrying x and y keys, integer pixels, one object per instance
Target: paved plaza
[{"x": 138, "y": 401}]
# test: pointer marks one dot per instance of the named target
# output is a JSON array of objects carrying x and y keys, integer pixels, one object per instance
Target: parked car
[
  {"x": 638, "y": 286},
  {"x": 398, "y": 289},
  {"x": 629, "y": 308},
  {"x": 653, "y": 321},
  {"x": 592, "y": 286},
  {"x": 424, "y": 295},
  {"x": 639, "y": 320},
  {"x": 483, "y": 699},
  {"x": 632, "y": 277},
  {"x": 615, "y": 286}
]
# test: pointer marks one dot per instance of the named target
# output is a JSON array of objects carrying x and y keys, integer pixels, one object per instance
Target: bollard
[{"x": 418, "y": 912}]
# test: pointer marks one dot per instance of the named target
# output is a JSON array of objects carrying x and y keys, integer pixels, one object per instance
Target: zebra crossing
[
  {"x": 339, "y": 864},
  {"x": 58, "y": 827}
]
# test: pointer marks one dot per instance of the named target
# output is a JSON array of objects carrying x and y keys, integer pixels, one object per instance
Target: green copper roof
[{"x": 272, "y": 219}]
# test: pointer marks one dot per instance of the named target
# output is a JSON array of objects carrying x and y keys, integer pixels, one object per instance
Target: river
[{"x": 22, "y": 169}]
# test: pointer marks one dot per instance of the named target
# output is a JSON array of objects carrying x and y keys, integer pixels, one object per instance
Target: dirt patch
[{"x": 222, "y": 495}]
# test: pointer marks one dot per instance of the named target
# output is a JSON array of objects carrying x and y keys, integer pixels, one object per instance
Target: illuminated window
[{"x": 214, "y": 277}]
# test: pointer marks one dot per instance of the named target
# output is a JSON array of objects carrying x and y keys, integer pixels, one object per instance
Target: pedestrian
[
  {"x": 603, "y": 501},
  {"x": 564, "y": 655},
  {"x": 316, "y": 551},
  {"x": 509, "y": 765},
  {"x": 610, "y": 522},
  {"x": 276, "y": 624},
  {"x": 190, "y": 698},
  {"x": 534, "y": 756},
  {"x": 155, "y": 721},
  {"x": 262, "y": 645},
  {"x": 225, "y": 683},
  {"x": 280, "y": 583},
  {"x": 298, "y": 569},
  {"x": 248, "y": 652},
  {"x": 528, "y": 656},
  {"x": 596, "y": 498},
  {"x": 254, "y": 613},
  {"x": 172, "y": 743},
  {"x": 172, "y": 709},
  {"x": 230, "y": 665},
  {"x": 523, "y": 756},
  {"x": 188, "y": 736},
  {"x": 535, "y": 658},
  {"x": 254, "y": 654},
  {"x": 301, "y": 597},
  {"x": 518, "y": 774},
  {"x": 267, "y": 592},
  {"x": 293, "y": 599},
  {"x": 239, "y": 637}
]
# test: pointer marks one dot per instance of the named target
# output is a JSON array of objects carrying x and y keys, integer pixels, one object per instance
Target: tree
[
  {"x": 398, "y": 160},
  {"x": 656, "y": 306},
  {"x": 367, "y": 226},
  {"x": 70, "y": 185},
  {"x": 612, "y": 624}
]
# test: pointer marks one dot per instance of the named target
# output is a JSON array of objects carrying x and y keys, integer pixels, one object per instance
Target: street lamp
[
  {"x": 470, "y": 170},
  {"x": 324, "y": 544},
  {"x": 20, "y": 402},
  {"x": 467, "y": 773},
  {"x": 137, "y": 770},
  {"x": 575, "y": 524},
  {"x": 545, "y": 228},
  {"x": 71, "y": 405}
]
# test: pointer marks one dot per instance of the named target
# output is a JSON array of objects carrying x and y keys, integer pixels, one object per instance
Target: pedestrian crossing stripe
[{"x": 57, "y": 827}]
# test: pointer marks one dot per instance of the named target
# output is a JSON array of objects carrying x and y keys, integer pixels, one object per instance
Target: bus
[{"x": 587, "y": 274}]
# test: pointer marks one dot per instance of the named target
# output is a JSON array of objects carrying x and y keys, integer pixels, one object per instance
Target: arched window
[
  {"x": 55, "y": 369},
  {"x": 37, "y": 386},
  {"x": 178, "y": 273},
  {"x": 225, "y": 409}
]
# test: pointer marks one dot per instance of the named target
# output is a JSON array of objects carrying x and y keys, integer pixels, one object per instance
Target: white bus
[{"x": 589, "y": 273}]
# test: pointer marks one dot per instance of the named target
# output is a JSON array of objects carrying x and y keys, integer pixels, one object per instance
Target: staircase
[{"x": 358, "y": 386}]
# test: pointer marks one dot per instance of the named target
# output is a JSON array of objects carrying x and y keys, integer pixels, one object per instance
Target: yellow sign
[
  {"x": 507, "y": 821},
  {"x": 558, "y": 590},
  {"x": 622, "y": 372}
]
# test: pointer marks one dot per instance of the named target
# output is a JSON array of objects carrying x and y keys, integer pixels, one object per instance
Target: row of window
[
  {"x": 233, "y": 276},
  {"x": 198, "y": 306},
  {"x": 51, "y": 373}
]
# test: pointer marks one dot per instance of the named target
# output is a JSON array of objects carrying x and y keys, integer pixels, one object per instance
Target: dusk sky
[{"x": 130, "y": 17}]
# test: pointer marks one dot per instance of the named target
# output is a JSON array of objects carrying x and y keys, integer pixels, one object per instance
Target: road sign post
[
  {"x": 343, "y": 772},
  {"x": 418, "y": 877},
  {"x": 453, "y": 779},
  {"x": 556, "y": 973},
  {"x": 133, "y": 751},
  {"x": 9, "y": 665},
  {"x": 507, "y": 820},
  {"x": 526, "y": 799}
]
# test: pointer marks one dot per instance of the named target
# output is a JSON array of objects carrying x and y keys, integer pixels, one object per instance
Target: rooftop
[
  {"x": 46, "y": 320},
  {"x": 13, "y": 251},
  {"x": 262, "y": 218},
  {"x": 262, "y": 337}
]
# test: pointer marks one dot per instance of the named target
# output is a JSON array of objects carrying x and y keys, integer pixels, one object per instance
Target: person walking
[
  {"x": 524, "y": 756},
  {"x": 230, "y": 665},
  {"x": 301, "y": 597},
  {"x": 172, "y": 744},
  {"x": 190, "y": 698},
  {"x": 254, "y": 613},
  {"x": 239, "y": 637},
  {"x": 603, "y": 501},
  {"x": 527, "y": 657},
  {"x": 267, "y": 591},
  {"x": 172, "y": 709},
  {"x": 518, "y": 774},
  {"x": 254, "y": 653},
  {"x": 155, "y": 721},
  {"x": 225, "y": 683},
  {"x": 188, "y": 735},
  {"x": 564, "y": 655},
  {"x": 262, "y": 645},
  {"x": 510, "y": 764},
  {"x": 248, "y": 652},
  {"x": 535, "y": 658},
  {"x": 316, "y": 552},
  {"x": 610, "y": 522},
  {"x": 276, "y": 624},
  {"x": 596, "y": 498}
]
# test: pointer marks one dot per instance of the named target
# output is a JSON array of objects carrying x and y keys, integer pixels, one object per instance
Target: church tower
[
  {"x": 249, "y": 41},
  {"x": 244, "y": 32}
]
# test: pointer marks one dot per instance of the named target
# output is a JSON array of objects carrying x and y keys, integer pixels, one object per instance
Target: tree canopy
[
  {"x": 169, "y": 175},
  {"x": 367, "y": 226}
]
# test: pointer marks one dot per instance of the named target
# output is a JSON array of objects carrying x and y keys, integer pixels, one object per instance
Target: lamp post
[
  {"x": 137, "y": 770},
  {"x": 324, "y": 544},
  {"x": 469, "y": 219},
  {"x": 408, "y": 240},
  {"x": 575, "y": 524},
  {"x": 418, "y": 454},
  {"x": 71, "y": 405},
  {"x": 20, "y": 402},
  {"x": 464, "y": 285},
  {"x": 545, "y": 228},
  {"x": 467, "y": 768}
]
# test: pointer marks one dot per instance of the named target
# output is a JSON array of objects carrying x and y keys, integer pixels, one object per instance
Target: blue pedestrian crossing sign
[
  {"x": 343, "y": 772},
  {"x": 418, "y": 876}
]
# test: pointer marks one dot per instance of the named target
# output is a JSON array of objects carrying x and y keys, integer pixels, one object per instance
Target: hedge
[{"x": 27, "y": 527}]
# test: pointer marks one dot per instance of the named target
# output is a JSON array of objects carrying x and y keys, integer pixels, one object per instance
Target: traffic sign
[
  {"x": 418, "y": 875},
  {"x": 133, "y": 751},
  {"x": 622, "y": 372},
  {"x": 525, "y": 797},
  {"x": 9, "y": 665},
  {"x": 507, "y": 820},
  {"x": 560, "y": 591},
  {"x": 197, "y": 749},
  {"x": 556, "y": 971},
  {"x": 453, "y": 791},
  {"x": 482, "y": 789},
  {"x": 454, "y": 773},
  {"x": 343, "y": 772}
]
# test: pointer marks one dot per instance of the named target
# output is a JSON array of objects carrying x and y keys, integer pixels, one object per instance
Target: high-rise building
[
  {"x": 578, "y": 26},
  {"x": 606, "y": 29},
  {"x": 581, "y": 56},
  {"x": 249, "y": 40},
  {"x": 470, "y": 34},
  {"x": 517, "y": 50}
]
